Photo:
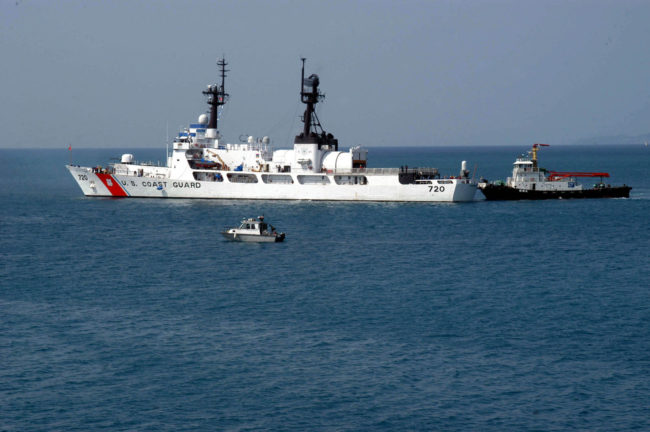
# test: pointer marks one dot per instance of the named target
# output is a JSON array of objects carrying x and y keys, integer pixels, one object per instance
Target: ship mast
[
  {"x": 217, "y": 95},
  {"x": 313, "y": 132},
  {"x": 534, "y": 153}
]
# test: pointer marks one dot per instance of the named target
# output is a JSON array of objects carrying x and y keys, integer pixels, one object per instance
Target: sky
[{"x": 395, "y": 73}]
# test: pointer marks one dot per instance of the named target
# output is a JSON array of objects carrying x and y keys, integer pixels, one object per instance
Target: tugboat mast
[
  {"x": 217, "y": 95},
  {"x": 534, "y": 153}
]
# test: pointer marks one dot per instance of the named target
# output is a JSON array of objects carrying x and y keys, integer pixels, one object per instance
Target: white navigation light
[
  {"x": 251, "y": 140},
  {"x": 265, "y": 140}
]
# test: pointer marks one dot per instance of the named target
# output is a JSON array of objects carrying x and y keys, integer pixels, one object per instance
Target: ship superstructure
[{"x": 202, "y": 165}]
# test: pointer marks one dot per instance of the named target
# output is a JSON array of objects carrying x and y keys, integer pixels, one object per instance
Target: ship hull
[
  {"x": 378, "y": 188},
  {"x": 248, "y": 238},
  {"x": 505, "y": 193}
]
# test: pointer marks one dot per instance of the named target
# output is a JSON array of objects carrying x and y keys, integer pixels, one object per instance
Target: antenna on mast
[
  {"x": 302, "y": 78},
  {"x": 222, "y": 68},
  {"x": 217, "y": 95}
]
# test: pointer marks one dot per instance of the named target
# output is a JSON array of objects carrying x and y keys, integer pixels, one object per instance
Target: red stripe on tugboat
[{"x": 556, "y": 175}]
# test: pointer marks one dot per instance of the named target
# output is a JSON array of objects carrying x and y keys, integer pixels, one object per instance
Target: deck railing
[{"x": 385, "y": 171}]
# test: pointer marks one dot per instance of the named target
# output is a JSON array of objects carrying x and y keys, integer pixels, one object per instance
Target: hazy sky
[{"x": 116, "y": 73}]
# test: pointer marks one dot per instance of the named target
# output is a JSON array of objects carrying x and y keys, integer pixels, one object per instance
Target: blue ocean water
[{"x": 134, "y": 314}]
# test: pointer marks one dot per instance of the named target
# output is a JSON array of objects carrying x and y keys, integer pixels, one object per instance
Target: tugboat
[
  {"x": 201, "y": 164},
  {"x": 529, "y": 182},
  {"x": 254, "y": 230}
]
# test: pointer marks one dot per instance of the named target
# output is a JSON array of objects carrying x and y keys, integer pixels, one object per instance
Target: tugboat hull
[{"x": 503, "y": 193}]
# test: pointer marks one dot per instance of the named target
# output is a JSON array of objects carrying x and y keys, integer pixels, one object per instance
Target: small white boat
[{"x": 253, "y": 230}]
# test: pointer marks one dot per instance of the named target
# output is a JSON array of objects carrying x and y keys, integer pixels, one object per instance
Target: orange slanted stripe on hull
[{"x": 112, "y": 185}]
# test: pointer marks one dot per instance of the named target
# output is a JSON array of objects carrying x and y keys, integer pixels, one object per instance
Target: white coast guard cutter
[{"x": 201, "y": 165}]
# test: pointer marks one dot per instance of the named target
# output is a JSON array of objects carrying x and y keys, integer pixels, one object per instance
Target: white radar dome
[
  {"x": 265, "y": 140},
  {"x": 203, "y": 119},
  {"x": 127, "y": 158},
  {"x": 251, "y": 140}
]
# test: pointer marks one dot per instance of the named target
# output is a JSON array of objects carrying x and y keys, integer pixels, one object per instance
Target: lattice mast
[{"x": 217, "y": 95}]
